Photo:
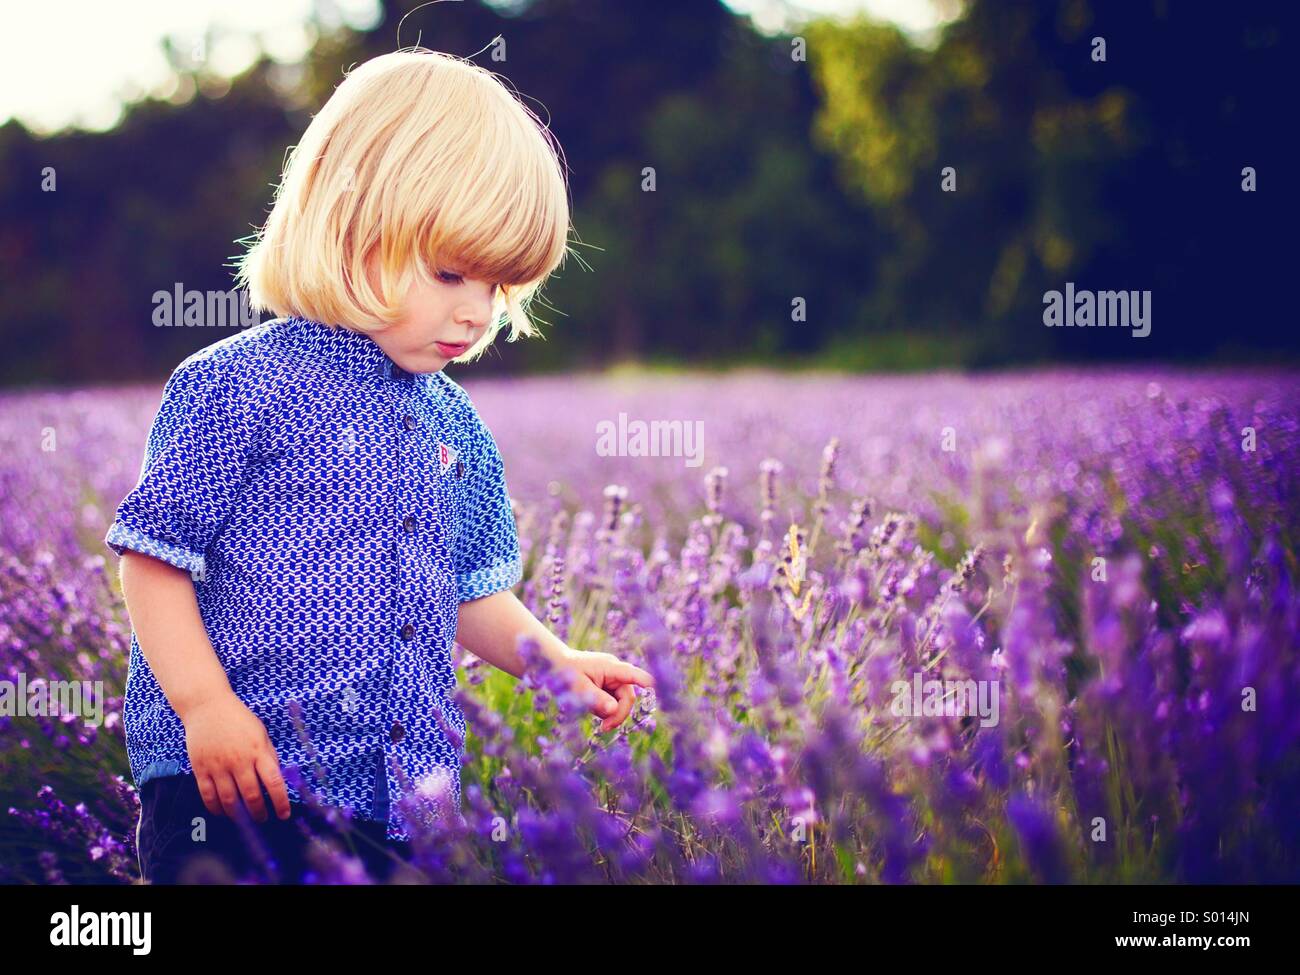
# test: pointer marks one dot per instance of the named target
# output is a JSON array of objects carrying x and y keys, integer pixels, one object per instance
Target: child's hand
[
  {"x": 229, "y": 749},
  {"x": 607, "y": 682}
]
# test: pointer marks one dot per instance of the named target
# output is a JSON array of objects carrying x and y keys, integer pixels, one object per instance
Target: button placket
[
  {"x": 404, "y": 450},
  {"x": 408, "y": 424},
  {"x": 406, "y": 446}
]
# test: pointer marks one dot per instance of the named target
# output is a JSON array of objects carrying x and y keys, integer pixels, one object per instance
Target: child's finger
[
  {"x": 227, "y": 793},
  {"x": 208, "y": 793},
  {"x": 626, "y": 701},
  {"x": 629, "y": 674},
  {"x": 268, "y": 768},
  {"x": 250, "y": 789},
  {"x": 603, "y": 703}
]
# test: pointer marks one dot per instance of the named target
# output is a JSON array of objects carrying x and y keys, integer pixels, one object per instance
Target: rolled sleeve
[
  {"x": 194, "y": 463},
  {"x": 487, "y": 550}
]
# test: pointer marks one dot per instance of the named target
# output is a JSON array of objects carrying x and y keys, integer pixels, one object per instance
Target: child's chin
[{"x": 432, "y": 363}]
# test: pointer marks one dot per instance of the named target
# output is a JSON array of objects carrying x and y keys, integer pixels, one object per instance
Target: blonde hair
[{"x": 432, "y": 157}]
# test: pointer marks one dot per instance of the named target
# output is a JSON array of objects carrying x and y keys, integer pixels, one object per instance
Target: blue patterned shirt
[{"x": 333, "y": 511}]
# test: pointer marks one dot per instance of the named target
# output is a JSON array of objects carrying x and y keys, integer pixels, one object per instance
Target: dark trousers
[{"x": 170, "y": 854}]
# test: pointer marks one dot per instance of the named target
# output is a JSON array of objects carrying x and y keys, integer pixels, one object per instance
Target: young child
[{"x": 321, "y": 512}]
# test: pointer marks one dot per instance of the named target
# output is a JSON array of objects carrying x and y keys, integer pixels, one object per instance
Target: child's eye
[{"x": 448, "y": 277}]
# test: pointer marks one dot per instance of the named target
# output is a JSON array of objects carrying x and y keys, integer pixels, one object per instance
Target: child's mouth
[{"x": 449, "y": 350}]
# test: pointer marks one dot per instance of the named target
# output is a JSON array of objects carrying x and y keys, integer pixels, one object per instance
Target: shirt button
[
  {"x": 408, "y": 632},
  {"x": 408, "y": 524},
  {"x": 397, "y": 733},
  {"x": 408, "y": 421}
]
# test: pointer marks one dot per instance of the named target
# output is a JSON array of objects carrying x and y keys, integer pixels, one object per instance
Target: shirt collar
[{"x": 356, "y": 353}]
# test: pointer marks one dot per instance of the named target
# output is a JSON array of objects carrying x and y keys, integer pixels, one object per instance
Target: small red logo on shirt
[{"x": 446, "y": 455}]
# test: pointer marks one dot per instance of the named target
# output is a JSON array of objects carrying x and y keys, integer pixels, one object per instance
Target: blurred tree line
[{"x": 778, "y": 179}]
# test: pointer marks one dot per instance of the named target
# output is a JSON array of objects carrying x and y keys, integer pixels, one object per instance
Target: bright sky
[{"x": 76, "y": 62}]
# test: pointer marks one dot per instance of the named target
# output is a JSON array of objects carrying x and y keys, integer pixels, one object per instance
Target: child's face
[{"x": 443, "y": 321}]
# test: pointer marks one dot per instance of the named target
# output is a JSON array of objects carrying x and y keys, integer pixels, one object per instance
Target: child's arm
[
  {"x": 488, "y": 628},
  {"x": 228, "y": 745},
  {"x": 491, "y": 618}
]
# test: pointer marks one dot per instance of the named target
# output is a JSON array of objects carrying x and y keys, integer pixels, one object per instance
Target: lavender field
[{"x": 1107, "y": 559}]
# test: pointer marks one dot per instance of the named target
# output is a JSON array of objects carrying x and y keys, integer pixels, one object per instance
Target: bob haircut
[{"x": 427, "y": 161}]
